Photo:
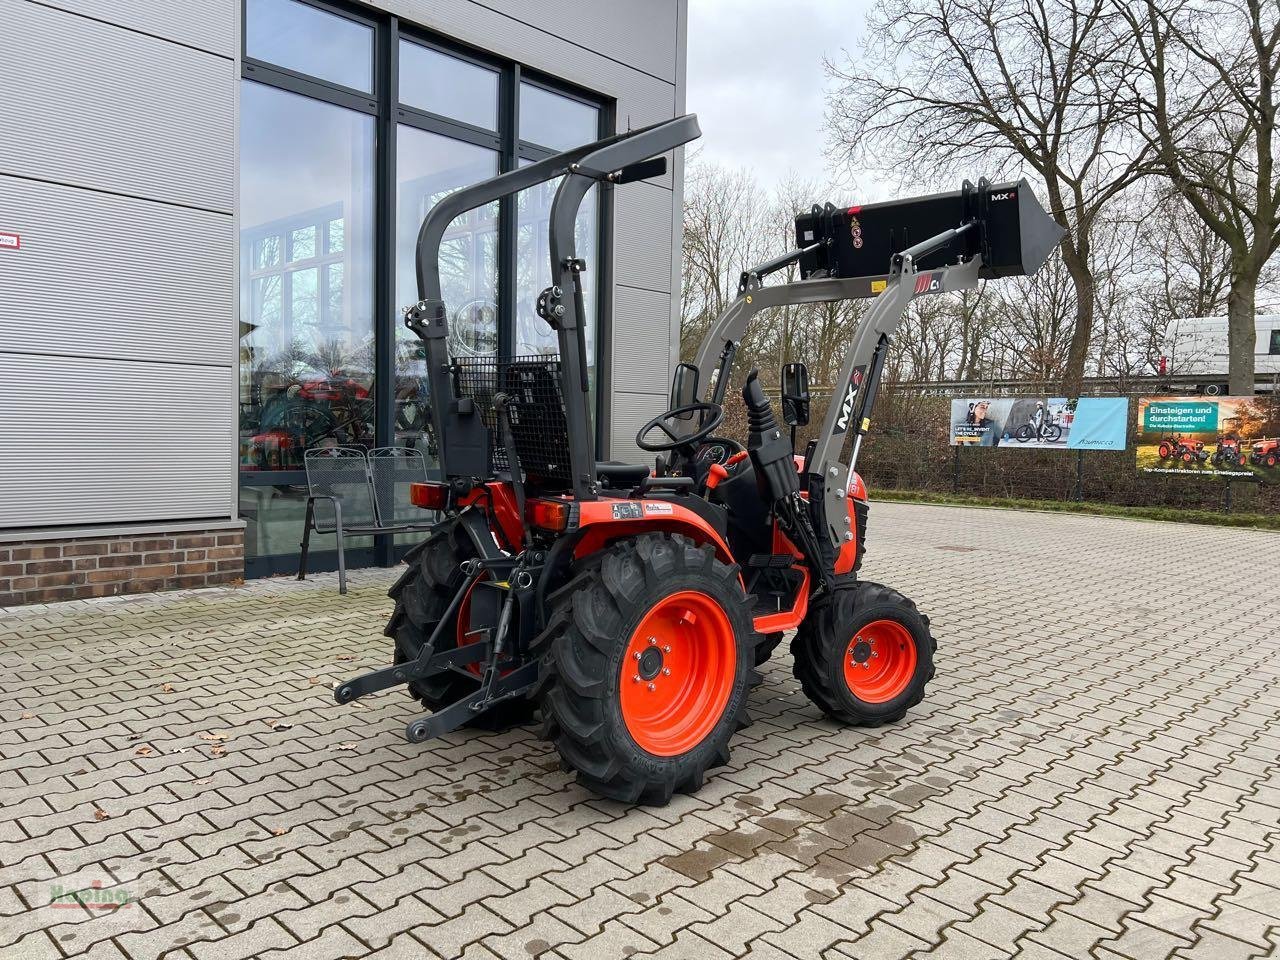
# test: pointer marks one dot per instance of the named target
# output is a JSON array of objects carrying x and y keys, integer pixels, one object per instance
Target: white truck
[{"x": 1196, "y": 347}]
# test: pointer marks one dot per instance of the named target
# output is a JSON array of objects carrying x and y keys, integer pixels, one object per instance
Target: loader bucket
[{"x": 1014, "y": 238}]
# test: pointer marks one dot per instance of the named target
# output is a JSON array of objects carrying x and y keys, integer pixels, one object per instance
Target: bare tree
[
  {"x": 1034, "y": 322},
  {"x": 1205, "y": 100},
  {"x": 961, "y": 86}
]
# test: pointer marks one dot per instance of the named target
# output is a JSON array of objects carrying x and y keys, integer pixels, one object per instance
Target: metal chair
[{"x": 351, "y": 493}]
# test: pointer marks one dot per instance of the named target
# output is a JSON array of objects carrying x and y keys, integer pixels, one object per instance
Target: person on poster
[{"x": 984, "y": 425}]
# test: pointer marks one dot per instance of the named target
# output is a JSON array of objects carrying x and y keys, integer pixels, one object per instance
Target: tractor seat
[{"x": 621, "y": 476}]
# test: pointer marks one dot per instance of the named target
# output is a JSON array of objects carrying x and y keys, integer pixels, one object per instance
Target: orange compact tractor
[{"x": 630, "y": 603}]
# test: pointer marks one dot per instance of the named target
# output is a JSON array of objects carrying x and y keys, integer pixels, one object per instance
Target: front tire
[
  {"x": 864, "y": 654},
  {"x": 646, "y": 664}
]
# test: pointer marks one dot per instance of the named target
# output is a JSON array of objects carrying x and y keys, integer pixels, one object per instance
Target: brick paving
[{"x": 1093, "y": 773}]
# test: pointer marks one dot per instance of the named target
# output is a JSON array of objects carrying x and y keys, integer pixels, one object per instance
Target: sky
[{"x": 756, "y": 81}]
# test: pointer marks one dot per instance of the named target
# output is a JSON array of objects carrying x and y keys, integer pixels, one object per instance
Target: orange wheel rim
[
  {"x": 880, "y": 661},
  {"x": 677, "y": 673}
]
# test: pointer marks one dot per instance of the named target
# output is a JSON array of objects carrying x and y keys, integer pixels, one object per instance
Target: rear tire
[
  {"x": 664, "y": 609},
  {"x": 894, "y": 631},
  {"x": 422, "y": 594}
]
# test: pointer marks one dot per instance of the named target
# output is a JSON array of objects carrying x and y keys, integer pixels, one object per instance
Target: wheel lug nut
[
  {"x": 636, "y": 655},
  {"x": 666, "y": 648},
  {"x": 652, "y": 687},
  {"x": 636, "y": 678},
  {"x": 653, "y": 641},
  {"x": 666, "y": 671}
]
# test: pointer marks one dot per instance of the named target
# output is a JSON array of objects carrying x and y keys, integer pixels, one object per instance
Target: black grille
[{"x": 536, "y": 406}]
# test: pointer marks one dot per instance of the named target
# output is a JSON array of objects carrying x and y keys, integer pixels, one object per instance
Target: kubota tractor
[
  {"x": 1265, "y": 453},
  {"x": 1229, "y": 452},
  {"x": 1179, "y": 448},
  {"x": 631, "y": 604}
]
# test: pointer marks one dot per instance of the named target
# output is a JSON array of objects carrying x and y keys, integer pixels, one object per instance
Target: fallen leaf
[
  {"x": 313, "y": 679},
  {"x": 167, "y": 688},
  {"x": 215, "y": 737},
  {"x": 32, "y": 716},
  {"x": 100, "y": 814},
  {"x": 280, "y": 831},
  {"x": 349, "y": 745},
  {"x": 202, "y": 780},
  {"x": 346, "y": 656},
  {"x": 144, "y": 751},
  {"x": 280, "y": 724},
  {"x": 218, "y": 750}
]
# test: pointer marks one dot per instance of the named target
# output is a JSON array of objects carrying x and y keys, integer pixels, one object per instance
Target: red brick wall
[{"x": 45, "y": 570}]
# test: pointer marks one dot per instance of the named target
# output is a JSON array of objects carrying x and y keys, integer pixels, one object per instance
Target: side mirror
[
  {"x": 795, "y": 394},
  {"x": 684, "y": 388}
]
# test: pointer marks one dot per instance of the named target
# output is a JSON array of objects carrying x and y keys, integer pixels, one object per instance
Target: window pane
[
  {"x": 533, "y": 270},
  {"x": 302, "y": 244},
  {"x": 306, "y": 330},
  {"x": 1274, "y": 347},
  {"x": 438, "y": 83},
  {"x": 309, "y": 40},
  {"x": 557, "y": 122},
  {"x": 429, "y": 167}
]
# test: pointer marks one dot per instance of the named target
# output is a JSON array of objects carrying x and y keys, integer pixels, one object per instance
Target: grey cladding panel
[
  {"x": 207, "y": 25},
  {"x": 640, "y": 34},
  {"x": 92, "y": 105},
  {"x": 642, "y": 236},
  {"x": 630, "y": 411},
  {"x": 641, "y": 340},
  {"x": 105, "y": 441},
  {"x": 102, "y": 275}
]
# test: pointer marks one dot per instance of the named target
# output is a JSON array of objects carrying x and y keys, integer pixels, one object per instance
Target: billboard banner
[
  {"x": 1230, "y": 437},
  {"x": 1041, "y": 423}
]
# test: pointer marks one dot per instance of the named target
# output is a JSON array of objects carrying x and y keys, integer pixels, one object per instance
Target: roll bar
[{"x": 622, "y": 158}]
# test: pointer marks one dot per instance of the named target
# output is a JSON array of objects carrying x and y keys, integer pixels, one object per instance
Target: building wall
[{"x": 119, "y": 308}]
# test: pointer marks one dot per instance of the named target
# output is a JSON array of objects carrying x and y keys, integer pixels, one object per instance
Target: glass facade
[{"x": 350, "y": 131}]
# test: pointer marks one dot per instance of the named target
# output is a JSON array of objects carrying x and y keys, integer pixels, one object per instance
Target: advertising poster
[
  {"x": 1041, "y": 423},
  {"x": 1229, "y": 437}
]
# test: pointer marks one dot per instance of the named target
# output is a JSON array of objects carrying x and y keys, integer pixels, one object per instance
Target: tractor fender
[{"x": 605, "y": 520}]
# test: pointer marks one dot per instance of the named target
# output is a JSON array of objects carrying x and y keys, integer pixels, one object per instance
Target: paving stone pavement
[{"x": 1094, "y": 772}]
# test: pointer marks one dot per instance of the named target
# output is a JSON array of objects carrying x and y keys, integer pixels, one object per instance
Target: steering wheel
[
  {"x": 711, "y": 415},
  {"x": 718, "y": 450}
]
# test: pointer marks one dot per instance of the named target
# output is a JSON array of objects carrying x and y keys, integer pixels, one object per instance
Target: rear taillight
[
  {"x": 549, "y": 515},
  {"x": 429, "y": 496}
]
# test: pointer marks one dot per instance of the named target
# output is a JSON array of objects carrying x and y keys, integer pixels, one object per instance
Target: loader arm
[{"x": 850, "y": 410}]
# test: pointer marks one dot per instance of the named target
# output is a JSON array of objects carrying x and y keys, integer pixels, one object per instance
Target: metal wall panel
[
  {"x": 108, "y": 276},
  {"x": 208, "y": 25},
  {"x": 630, "y": 410},
  {"x": 642, "y": 236},
  {"x": 89, "y": 441},
  {"x": 641, "y": 341},
  {"x": 641, "y": 35},
  {"x": 90, "y": 104}
]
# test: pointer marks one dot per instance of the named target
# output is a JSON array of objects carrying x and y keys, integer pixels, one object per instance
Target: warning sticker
[
  {"x": 657, "y": 508},
  {"x": 10, "y": 241}
]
